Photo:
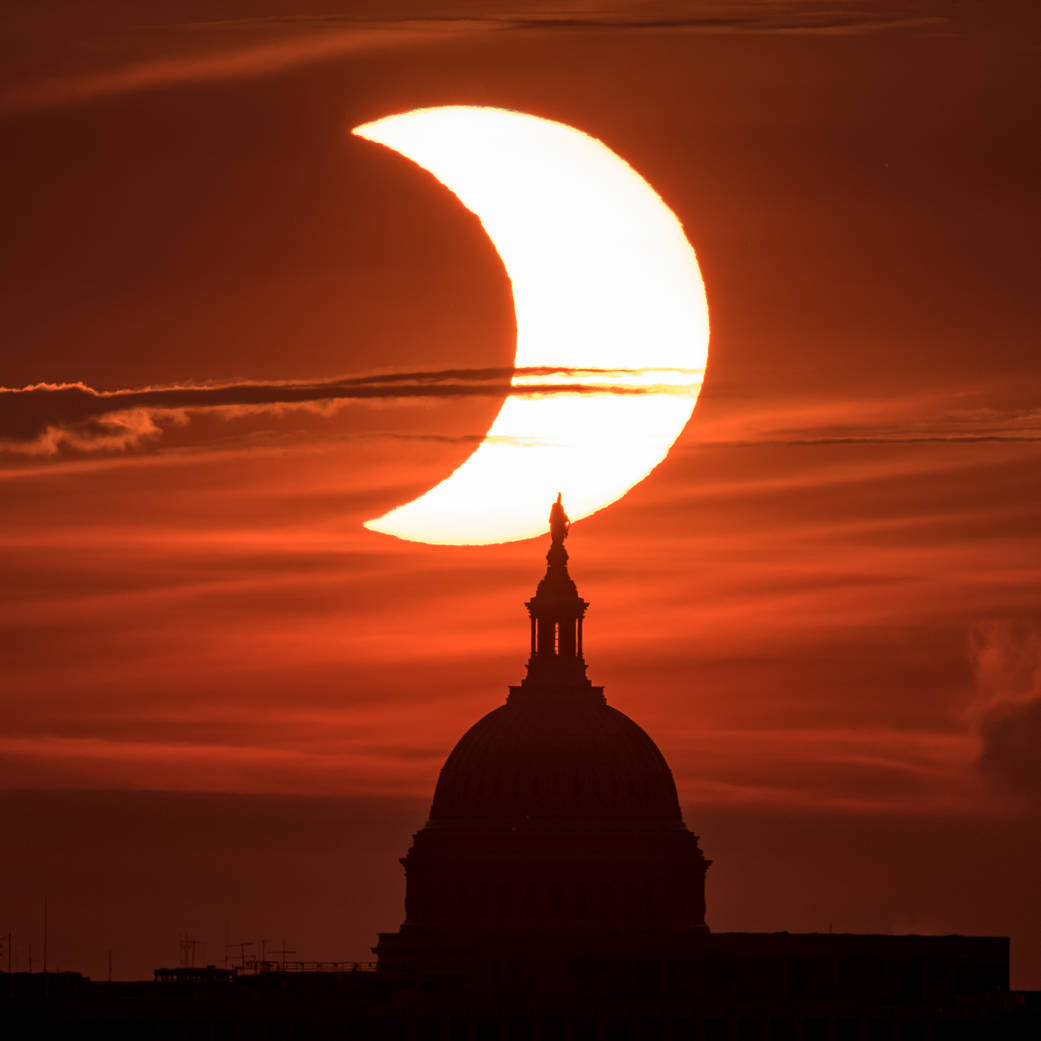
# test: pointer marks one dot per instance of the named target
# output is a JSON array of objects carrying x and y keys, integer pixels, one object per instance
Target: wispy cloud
[
  {"x": 952, "y": 416},
  {"x": 311, "y": 39},
  {"x": 1007, "y": 665},
  {"x": 43, "y": 418},
  {"x": 234, "y": 62},
  {"x": 48, "y": 420}
]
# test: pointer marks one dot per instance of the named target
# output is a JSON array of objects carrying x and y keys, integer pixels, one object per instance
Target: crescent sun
[{"x": 604, "y": 282}]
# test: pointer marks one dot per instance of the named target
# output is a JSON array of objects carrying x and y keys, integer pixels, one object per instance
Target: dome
[
  {"x": 555, "y": 816},
  {"x": 555, "y": 755}
]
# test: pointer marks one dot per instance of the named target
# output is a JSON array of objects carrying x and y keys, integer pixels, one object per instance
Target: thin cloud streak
[
  {"x": 41, "y": 419},
  {"x": 44, "y": 419},
  {"x": 256, "y": 60},
  {"x": 343, "y": 36},
  {"x": 886, "y": 438},
  {"x": 934, "y": 419}
]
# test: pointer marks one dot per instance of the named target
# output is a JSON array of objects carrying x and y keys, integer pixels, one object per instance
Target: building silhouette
[
  {"x": 555, "y": 894},
  {"x": 555, "y": 826}
]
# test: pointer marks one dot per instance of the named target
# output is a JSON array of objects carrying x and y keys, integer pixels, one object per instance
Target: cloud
[
  {"x": 796, "y": 20},
  {"x": 233, "y": 63},
  {"x": 43, "y": 418},
  {"x": 329, "y": 37},
  {"x": 1012, "y": 747},
  {"x": 48, "y": 419},
  {"x": 1007, "y": 666},
  {"x": 938, "y": 418}
]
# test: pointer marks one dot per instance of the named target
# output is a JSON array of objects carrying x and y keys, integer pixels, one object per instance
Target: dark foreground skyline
[
  {"x": 555, "y": 893},
  {"x": 824, "y": 605}
]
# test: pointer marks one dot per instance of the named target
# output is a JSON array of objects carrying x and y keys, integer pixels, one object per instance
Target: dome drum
[{"x": 532, "y": 881}]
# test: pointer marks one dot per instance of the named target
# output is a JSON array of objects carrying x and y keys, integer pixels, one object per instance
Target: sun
[{"x": 606, "y": 287}]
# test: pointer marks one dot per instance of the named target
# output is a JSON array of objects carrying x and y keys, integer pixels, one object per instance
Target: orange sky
[{"x": 824, "y": 605}]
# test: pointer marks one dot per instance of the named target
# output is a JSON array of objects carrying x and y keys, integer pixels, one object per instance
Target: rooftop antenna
[
  {"x": 188, "y": 945},
  {"x": 241, "y": 946},
  {"x": 283, "y": 951}
]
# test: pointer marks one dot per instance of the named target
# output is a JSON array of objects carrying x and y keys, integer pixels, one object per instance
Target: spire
[{"x": 556, "y": 612}]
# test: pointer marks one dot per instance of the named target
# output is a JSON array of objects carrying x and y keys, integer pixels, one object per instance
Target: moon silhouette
[{"x": 605, "y": 284}]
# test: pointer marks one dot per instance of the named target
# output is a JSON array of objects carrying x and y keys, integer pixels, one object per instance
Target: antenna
[
  {"x": 188, "y": 944},
  {"x": 283, "y": 951},
  {"x": 241, "y": 946}
]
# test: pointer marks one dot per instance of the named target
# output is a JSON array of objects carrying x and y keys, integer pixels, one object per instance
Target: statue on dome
[{"x": 559, "y": 523}]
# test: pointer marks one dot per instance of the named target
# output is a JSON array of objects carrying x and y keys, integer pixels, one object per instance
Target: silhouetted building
[
  {"x": 555, "y": 828},
  {"x": 555, "y": 894}
]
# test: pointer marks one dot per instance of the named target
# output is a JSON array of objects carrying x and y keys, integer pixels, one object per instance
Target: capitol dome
[
  {"x": 555, "y": 821},
  {"x": 555, "y": 756}
]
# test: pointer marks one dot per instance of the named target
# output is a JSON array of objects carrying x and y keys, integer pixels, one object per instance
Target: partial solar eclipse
[{"x": 603, "y": 279}]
